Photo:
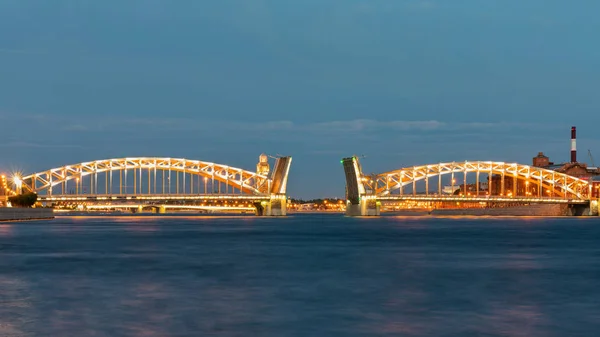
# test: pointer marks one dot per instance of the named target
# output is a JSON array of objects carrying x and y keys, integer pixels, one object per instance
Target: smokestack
[{"x": 573, "y": 145}]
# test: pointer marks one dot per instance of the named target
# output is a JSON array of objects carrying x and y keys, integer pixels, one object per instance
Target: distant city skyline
[{"x": 404, "y": 83}]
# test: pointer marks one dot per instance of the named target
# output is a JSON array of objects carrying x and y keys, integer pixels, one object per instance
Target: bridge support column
[
  {"x": 358, "y": 203},
  {"x": 160, "y": 209},
  {"x": 594, "y": 207},
  {"x": 275, "y": 206},
  {"x": 367, "y": 206}
]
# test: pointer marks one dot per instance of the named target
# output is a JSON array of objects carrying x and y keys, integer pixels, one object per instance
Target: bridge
[
  {"x": 163, "y": 183},
  {"x": 493, "y": 183}
]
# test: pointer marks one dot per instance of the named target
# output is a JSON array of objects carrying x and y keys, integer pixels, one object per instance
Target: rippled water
[{"x": 303, "y": 275}]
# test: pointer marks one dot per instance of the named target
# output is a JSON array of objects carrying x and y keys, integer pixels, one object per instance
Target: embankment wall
[
  {"x": 16, "y": 213},
  {"x": 531, "y": 210}
]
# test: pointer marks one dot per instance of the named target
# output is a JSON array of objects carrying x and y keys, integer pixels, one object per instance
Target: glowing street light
[{"x": 18, "y": 182}]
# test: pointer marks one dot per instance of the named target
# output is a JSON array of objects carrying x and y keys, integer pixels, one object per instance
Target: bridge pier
[
  {"x": 275, "y": 206},
  {"x": 594, "y": 207},
  {"x": 359, "y": 202},
  {"x": 367, "y": 206},
  {"x": 137, "y": 209},
  {"x": 159, "y": 209}
]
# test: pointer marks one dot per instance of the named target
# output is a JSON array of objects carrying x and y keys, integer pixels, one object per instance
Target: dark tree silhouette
[{"x": 23, "y": 200}]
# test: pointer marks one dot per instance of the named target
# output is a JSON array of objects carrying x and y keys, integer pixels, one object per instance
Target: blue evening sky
[{"x": 403, "y": 82}]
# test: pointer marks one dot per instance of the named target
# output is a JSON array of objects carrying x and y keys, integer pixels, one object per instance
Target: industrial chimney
[{"x": 573, "y": 145}]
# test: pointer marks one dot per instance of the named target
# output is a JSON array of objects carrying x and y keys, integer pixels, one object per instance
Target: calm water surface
[{"x": 303, "y": 275}]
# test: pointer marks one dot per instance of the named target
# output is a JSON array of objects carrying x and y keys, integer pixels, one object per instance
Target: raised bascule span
[
  {"x": 156, "y": 181},
  {"x": 510, "y": 183}
]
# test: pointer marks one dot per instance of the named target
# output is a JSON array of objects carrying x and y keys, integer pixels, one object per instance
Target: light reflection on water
[
  {"x": 304, "y": 275},
  {"x": 6, "y": 229}
]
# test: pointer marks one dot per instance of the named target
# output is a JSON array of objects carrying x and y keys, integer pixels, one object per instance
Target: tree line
[{"x": 23, "y": 200}]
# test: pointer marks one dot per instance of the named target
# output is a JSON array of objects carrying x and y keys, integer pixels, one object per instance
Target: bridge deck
[
  {"x": 151, "y": 197},
  {"x": 453, "y": 198},
  {"x": 184, "y": 207}
]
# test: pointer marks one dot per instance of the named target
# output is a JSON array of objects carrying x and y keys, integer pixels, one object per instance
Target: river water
[{"x": 302, "y": 275}]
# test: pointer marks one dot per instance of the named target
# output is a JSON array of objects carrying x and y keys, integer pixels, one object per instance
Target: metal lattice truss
[
  {"x": 562, "y": 184},
  {"x": 245, "y": 181}
]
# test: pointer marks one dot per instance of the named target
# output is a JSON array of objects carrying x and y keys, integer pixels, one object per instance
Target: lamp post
[
  {"x": 205, "y": 182},
  {"x": 18, "y": 183}
]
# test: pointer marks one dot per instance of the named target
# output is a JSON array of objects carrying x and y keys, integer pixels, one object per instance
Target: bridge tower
[
  {"x": 263, "y": 169},
  {"x": 358, "y": 201},
  {"x": 263, "y": 165}
]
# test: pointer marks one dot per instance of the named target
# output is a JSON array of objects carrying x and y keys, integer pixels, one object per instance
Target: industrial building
[{"x": 572, "y": 168}]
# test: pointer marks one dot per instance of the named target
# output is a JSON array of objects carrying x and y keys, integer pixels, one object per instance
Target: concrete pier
[
  {"x": 594, "y": 208},
  {"x": 22, "y": 214},
  {"x": 276, "y": 206},
  {"x": 365, "y": 207}
]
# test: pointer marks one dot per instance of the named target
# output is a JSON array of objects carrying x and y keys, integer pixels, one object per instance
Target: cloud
[
  {"x": 362, "y": 125},
  {"x": 256, "y": 126},
  {"x": 18, "y": 144},
  {"x": 424, "y": 125},
  {"x": 75, "y": 127},
  {"x": 328, "y": 152},
  {"x": 22, "y": 51},
  {"x": 422, "y": 4},
  {"x": 278, "y": 125},
  {"x": 370, "y": 125}
]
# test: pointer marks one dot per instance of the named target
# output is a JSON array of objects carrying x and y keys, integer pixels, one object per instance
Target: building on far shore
[
  {"x": 572, "y": 168},
  {"x": 575, "y": 169}
]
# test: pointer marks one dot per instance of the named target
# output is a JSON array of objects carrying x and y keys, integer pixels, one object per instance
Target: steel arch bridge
[
  {"x": 505, "y": 182},
  {"x": 162, "y": 179}
]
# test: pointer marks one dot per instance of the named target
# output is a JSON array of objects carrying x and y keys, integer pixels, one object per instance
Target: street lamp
[
  {"x": 205, "y": 182},
  {"x": 18, "y": 182}
]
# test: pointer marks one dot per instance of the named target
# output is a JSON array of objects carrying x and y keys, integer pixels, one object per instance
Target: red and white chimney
[{"x": 573, "y": 145}]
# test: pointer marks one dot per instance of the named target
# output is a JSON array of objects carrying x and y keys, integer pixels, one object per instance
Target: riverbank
[
  {"x": 25, "y": 214},
  {"x": 529, "y": 210}
]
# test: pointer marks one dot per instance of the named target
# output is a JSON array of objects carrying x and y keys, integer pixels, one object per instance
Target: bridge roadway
[
  {"x": 152, "y": 197},
  {"x": 162, "y": 208},
  {"x": 493, "y": 198},
  {"x": 243, "y": 202}
]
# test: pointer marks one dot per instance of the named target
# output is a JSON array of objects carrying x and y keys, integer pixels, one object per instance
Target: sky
[{"x": 400, "y": 82}]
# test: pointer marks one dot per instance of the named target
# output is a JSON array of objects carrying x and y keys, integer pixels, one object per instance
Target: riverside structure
[
  {"x": 366, "y": 193},
  {"x": 158, "y": 184}
]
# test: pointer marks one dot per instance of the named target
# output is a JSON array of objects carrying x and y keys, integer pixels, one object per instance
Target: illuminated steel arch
[
  {"x": 242, "y": 180},
  {"x": 554, "y": 183}
]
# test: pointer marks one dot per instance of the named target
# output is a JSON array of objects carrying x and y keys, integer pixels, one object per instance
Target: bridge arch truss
[
  {"x": 146, "y": 175},
  {"x": 508, "y": 179}
]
